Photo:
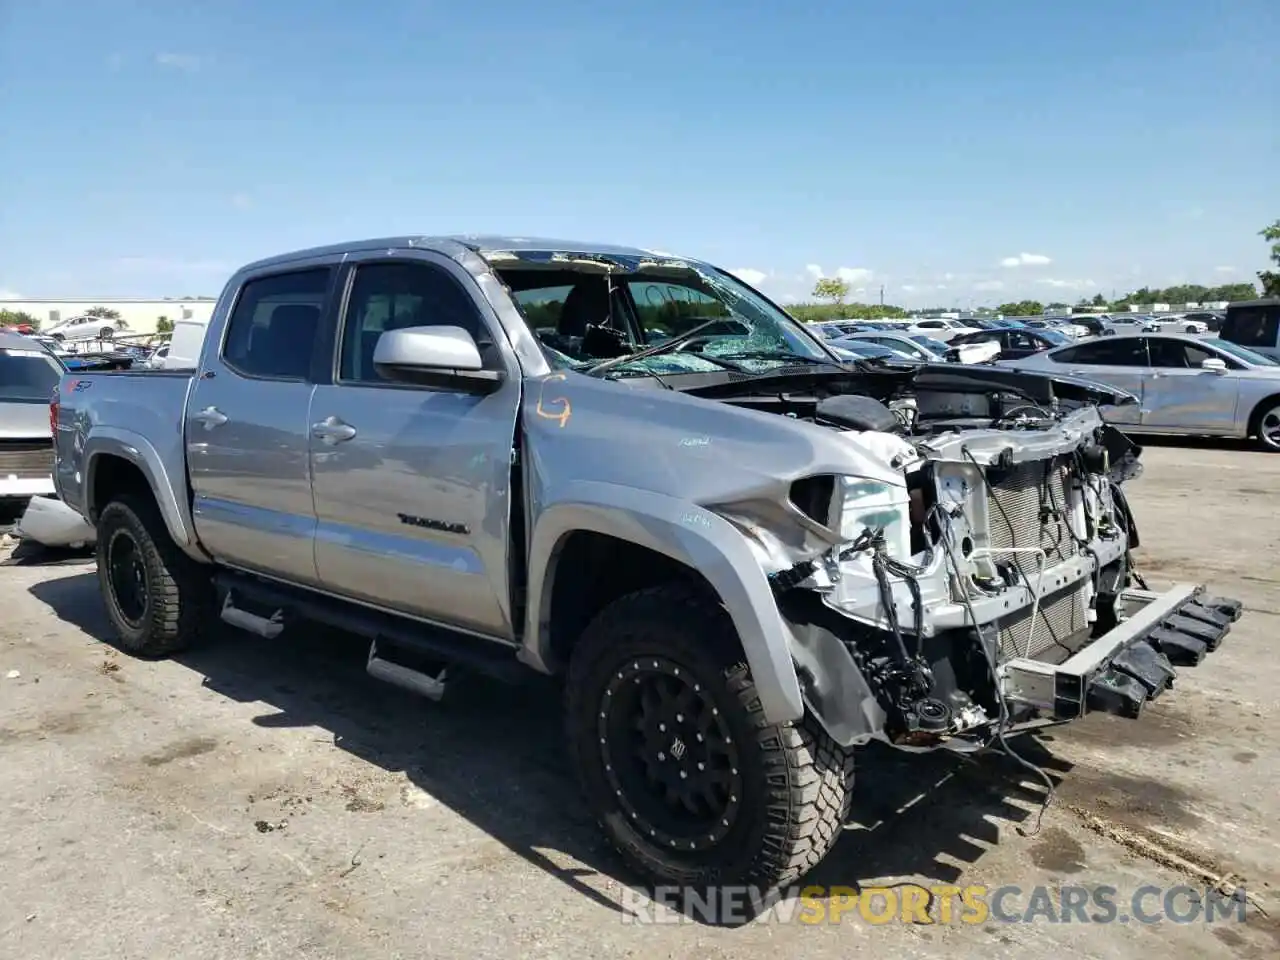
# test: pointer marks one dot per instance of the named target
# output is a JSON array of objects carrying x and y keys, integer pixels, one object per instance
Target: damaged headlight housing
[
  {"x": 850, "y": 505},
  {"x": 872, "y": 504}
]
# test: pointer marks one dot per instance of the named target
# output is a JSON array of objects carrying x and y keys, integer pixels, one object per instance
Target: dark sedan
[{"x": 1016, "y": 343}]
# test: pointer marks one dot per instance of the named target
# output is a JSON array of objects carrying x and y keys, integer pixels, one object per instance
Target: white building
[{"x": 139, "y": 316}]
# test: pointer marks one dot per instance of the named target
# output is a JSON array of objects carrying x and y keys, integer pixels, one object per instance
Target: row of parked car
[
  {"x": 932, "y": 341},
  {"x": 1187, "y": 383},
  {"x": 999, "y": 338}
]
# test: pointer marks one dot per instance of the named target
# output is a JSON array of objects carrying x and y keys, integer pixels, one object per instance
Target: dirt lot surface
[{"x": 266, "y": 799}]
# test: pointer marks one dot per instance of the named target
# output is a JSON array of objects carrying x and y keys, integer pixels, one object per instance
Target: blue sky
[{"x": 953, "y": 152}]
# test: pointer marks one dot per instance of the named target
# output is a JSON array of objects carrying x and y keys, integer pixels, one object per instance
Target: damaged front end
[{"x": 991, "y": 590}]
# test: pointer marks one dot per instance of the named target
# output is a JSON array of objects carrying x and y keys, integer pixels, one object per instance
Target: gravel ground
[{"x": 263, "y": 799}]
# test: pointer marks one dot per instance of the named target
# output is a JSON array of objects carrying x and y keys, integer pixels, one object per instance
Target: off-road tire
[
  {"x": 179, "y": 592},
  {"x": 796, "y": 782}
]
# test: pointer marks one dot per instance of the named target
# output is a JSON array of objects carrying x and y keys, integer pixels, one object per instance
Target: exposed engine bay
[
  {"x": 1008, "y": 539},
  {"x": 955, "y": 567}
]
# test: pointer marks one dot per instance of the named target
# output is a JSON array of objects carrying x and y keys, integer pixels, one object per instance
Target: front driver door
[
  {"x": 1179, "y": 395},
  {"x": 412, "y": 484},
  {"x": 1117, "y": 362}
]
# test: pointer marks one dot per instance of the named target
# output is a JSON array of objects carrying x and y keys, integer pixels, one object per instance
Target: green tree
[
  {"x": 1232, "y": 291},
  {"x": 1270, "y": 279},
  {"x": 1021, "y": 308},
  {"x": 18, "y": 318},
  {"x": 1098, "y": 300},
  {"x": 817, "y": 312},
  {"x": 831, "y": 288},
  {"x": 164, "y": 325},
  {"x": 108, "y": 313}
]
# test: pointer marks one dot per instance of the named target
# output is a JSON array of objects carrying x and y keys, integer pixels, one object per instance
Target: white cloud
[
  {"x": 241, "y": 201},
  {"x": 908, "y": 288},
  {"x": 1026, "y": 260},
  {"x": 989, "y": 285},
  {"x": 1067, "y": 284},
  {"x": 948, "y": 277},
  {"x": 1224, "y": 269},
  {"x": 850, "y": 275},
  {"x": 7, "y": 294},
  {"x": 750, "y": 275},
  {"x": 853, "y": 275},
  {"x": 187, "y": 62}
]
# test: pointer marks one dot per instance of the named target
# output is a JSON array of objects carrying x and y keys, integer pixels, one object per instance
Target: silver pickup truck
[{"x": 745, "y": 556}]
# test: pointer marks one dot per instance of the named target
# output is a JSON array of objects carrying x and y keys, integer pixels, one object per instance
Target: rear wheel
[
  {"x": 677, "y": 761},
  {"x": 107, "y": 333},
  {"x": 159, "y": 599}
]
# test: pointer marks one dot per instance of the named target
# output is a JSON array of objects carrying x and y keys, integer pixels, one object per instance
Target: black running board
[
  {"x": 405, "y": 652},
  {"x": 422, "y": 682}
]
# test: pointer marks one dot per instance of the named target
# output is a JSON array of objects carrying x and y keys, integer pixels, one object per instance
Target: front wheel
[
  {"x": 158, "y": 599},
  {"x": 677, "y": 761},
  {"x": 107, "y": 333},
  {"x": 1268, "y": 427}
]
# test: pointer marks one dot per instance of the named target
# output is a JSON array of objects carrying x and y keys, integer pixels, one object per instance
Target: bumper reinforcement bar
[{"x": 1131, "y": 664}]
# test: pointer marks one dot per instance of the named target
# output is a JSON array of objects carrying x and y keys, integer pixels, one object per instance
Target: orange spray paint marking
[{"x": 565, "y": 411}]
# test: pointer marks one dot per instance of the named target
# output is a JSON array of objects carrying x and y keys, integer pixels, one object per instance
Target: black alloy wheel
[
  {"x": 669, "y": 755},
  {"x": 127, "y": 577}
]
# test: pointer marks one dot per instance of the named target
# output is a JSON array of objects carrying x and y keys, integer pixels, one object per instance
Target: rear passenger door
[
  {"x": 412, "y": 483},
  {"x": 247, "y": 425}
]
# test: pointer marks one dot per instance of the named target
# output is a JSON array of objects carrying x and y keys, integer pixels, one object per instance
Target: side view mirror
[
  {"x": 434, "y": 356},
  {"x": 1214, "y": 365}
]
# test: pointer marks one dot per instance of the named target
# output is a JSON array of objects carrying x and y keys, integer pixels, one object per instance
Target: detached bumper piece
[{"x": 1132, "y": 664}]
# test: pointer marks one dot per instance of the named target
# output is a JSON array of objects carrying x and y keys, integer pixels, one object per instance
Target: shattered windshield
[{"x": 588, "y": 310}]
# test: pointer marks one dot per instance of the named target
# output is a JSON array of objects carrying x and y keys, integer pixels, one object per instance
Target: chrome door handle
[
  {"x": 332, "y": 430},
  {"x": 211, "y": 417}
]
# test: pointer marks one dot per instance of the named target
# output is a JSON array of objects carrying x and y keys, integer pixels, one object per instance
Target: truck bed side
[{"x": 114, "y": 426}]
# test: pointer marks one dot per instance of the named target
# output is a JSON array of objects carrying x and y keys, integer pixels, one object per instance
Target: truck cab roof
[{"x": 453, "y": 244}]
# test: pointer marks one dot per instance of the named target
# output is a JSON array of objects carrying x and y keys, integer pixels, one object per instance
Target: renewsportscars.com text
[{"x": 941, "y": 904}]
